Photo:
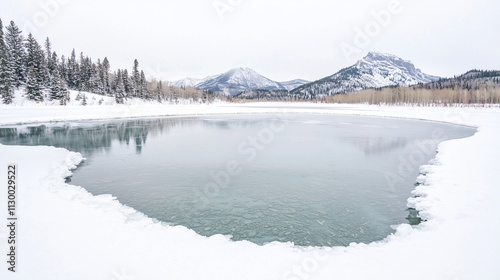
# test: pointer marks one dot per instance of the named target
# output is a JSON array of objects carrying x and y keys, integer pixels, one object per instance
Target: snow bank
[{"x": 66, "y": 233}]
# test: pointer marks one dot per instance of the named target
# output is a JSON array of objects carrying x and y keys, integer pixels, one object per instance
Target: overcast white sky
[{"x": 280, "y": 39}]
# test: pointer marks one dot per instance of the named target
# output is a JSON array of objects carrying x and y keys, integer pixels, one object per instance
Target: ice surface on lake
[{"x": 311, "y": 180}]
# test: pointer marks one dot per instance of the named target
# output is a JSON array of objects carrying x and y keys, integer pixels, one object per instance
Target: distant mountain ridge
[
  {"x": 238, "y": 80},
  {"x": 472, "y": 80},
  {"x": 473, "y": 86},
  {"x": 373, "y": 71}
]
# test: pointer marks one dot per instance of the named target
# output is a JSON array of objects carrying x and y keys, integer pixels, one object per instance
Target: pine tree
[
  {"x": 105, "y": 69},
  {"x": 73, "y": 71},
  {"x": 100, "y": 78},
  {"x": 136, "y": 78},
  {"x": 3, "y": 46},
  {"x": 93, "y": 84},
  {"x": 120, "y": 88},
  {"x": 14, "y": 41},
  {"x": 143, "y": 91},
  {"x": 44, "y": 65},
  {"x": 87, "y": 73},
  {"x": 32, "y": 49},
  {"x": 6, "y": 73},
  {"x": 58, "y": 88},
  {"x": 83, "y": 73},
  {"x": 6, "y": 77},
  {"x": 33, "y": 89},
  {"x": 132, "y": 86},
  {"x": 2, "y": 39},
  {"x": 35, "y": 59},
  {"x": 54, "y": 61},
  {"x": 51, "y": 57},
  {"x": 55, "y": 86},
  {"x": 64, "y": 92},
  {"x": 159, "y": 92},
  {"x": 126, "y": 83},
  {"x": 62, "y": 67}
]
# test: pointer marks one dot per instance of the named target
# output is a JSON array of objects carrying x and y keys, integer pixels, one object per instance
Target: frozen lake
[{"x": 308, "y": 179}]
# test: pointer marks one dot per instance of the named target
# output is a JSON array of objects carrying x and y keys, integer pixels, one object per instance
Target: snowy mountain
[
  {"x": 293, "y": 84},
  {"x": 238, "y": 80},
  {"x": 186, "y": 82},
  {"x": 373, "y": 71}
]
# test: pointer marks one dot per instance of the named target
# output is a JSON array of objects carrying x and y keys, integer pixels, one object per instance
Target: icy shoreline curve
[{"x": 66, "y": 233}]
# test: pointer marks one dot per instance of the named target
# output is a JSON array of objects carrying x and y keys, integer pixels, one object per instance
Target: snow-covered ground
[
  {"x": 66, "y": 233},
  {"x": 76, "y": 99}
]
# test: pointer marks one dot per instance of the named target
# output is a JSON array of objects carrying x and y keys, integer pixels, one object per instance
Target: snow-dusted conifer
[
  {"x": 136, "y": 79},
  {"x": 93, "y": 83},
  {"x": 143, "y": 91},
  {"x": 159, "y": 92},
  {"x": 51, "y": 59},
  {"x": 73, "y": 71},
  {"x": 35, "y": 59},
  {"x": 99, "y": 78},
  {"x": 105, "y": 69},
  {"x": 64, "y": 92},
  {"x": 126, "y": 83},
  {"x": 14, "y": 41},
  {"x": 119, "y": 88},
  {"x": 6, "y": 72},
  {"x": 33, "y": 90}
]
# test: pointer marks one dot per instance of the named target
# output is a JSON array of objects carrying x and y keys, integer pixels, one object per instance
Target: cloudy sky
[{"x": 281, "y": 39}]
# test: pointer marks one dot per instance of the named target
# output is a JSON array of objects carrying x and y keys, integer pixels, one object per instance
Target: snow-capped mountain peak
[
  {"x": 186, "y": 82},
  {"x": 238, "y": 80},
  {"x": 390, "y": 70},
  {"x": 373, "y": 71}
]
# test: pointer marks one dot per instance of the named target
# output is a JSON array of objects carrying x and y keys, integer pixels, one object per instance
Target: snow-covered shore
[{"x": 66, "y": 233}]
